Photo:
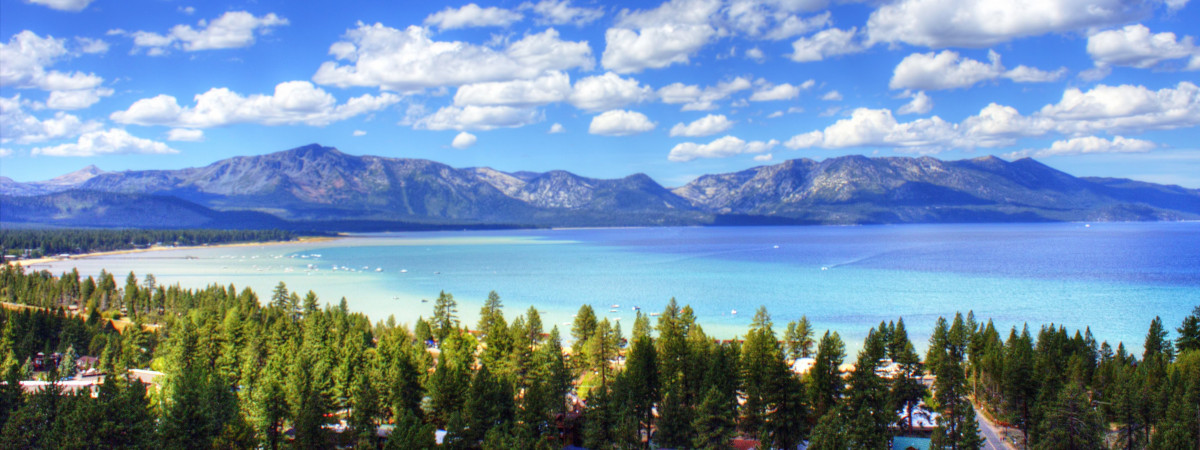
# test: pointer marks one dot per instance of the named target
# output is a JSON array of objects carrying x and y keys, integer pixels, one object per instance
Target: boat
[
  {"x": 616, "y": 306},
  {"x": 733, "y": 312},
  {"x": 776, "y": 246},
  {"x": 379, "y": 269},
  {"x": 612, "y": 310},
  {"x": 403, "y": 270},
  {"x": 424, "y": 301},
  {"x": 654, "y": 314}
]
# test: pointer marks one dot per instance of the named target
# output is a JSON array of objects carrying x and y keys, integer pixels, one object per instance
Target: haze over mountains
[{"x": 321, "y": 188}]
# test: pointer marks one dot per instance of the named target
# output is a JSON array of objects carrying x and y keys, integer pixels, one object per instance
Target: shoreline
[{"x": 51, "y": 259}]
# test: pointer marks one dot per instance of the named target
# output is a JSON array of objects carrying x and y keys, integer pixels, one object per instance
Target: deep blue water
[{"x": 1113, "y": 277}]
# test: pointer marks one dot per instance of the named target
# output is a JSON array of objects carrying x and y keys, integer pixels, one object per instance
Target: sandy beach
[{"x": 49, "y": 259}]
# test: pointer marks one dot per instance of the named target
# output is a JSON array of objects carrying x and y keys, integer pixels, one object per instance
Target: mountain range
[{"x": 320, "y": 188}]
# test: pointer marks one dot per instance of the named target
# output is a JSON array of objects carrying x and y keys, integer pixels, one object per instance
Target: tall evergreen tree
[
  {"x": 1189, "y": 332},
  {"x": 956, "y": 427},
  {"x": 445, "y": 316},
  {"x": 868, "y": 397},
  {"x": 581, "y": 331},
  {"x": 799, "y": 338},
  {"x": 489, "y": 403},
  {"x": 826, "y": 377},
  {"x": 1072, "y": 422}
]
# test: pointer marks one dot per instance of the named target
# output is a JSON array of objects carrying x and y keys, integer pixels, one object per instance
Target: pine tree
[
  {"x": 906, "y": 388},
  {"x": 832, "y": 431},
  {"x": 445, "y": 316},
  {"x": 867, "y": 397},
  {"x": 799, "y": 338},
  {"x": 638, "y": 387},
  {"x": 489, "y": 403},
  {"x": 31, "y": 425},
  {"x": 447, "y": 388},
  {"x": 581, "y": 331},
  {"x": 364, "y": 411},
  {"x": 826, "y": 377},
  {"x": 1072, "y": 422},
  {"x": 488, "y": 313},
  {"x": 66, "y": 366},
  {"x": 1189, "y": 332},
  {"x": 1019, "y": 385},
  {"x": 1157, "y": 345},
  {"x": 410, "y": 433},
  {"x": 716, "y": 422},
  {"x": 956, "y": 428}
]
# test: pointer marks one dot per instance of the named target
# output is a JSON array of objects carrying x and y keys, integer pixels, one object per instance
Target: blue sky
[{"x": 674, "y": 89}]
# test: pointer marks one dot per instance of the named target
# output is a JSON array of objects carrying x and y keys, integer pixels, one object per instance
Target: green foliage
[
  {"x": 240, "y": 373},
  {"x": 44, "y": 242},
  {"x": 826, "y": 378}
]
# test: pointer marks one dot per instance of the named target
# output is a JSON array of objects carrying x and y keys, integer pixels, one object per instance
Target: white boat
[
  {"x": 733, "y": 312},
  {"x": 403, "y": 270},
  {"x": 616, "y": 306},
  {"x": 379, "y": 269}
]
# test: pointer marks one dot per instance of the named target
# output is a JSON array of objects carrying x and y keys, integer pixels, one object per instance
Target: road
[{"x": 990, "y": 433}]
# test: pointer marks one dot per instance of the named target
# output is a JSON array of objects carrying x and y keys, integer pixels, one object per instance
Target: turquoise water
[{"x": 1113, "y": 277}]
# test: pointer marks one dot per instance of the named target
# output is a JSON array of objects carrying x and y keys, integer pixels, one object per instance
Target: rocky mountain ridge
[{"x": 317, "y": 184}]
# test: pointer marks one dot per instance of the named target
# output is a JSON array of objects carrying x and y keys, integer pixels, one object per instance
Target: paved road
[{"x": 990, "y": 433}]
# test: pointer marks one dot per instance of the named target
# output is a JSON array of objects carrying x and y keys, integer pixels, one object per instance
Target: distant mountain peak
[
  {"x": 76, "y": 177},
  {"x": 312, "y": 151}
]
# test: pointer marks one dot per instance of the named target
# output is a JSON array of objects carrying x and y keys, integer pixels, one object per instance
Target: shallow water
[{"x": 1113, "y": 277}]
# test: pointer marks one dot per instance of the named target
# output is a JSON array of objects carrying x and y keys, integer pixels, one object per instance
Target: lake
[{"x": 1113, "y": 277}]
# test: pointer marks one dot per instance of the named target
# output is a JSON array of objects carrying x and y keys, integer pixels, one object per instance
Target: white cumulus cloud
[
  {"x": 619, "y": 122},
  {"x": 556, "y": 128},
  {"x": 26, "y": 59},
  {"x": 410, "y": 60},
  {"x": 608, "y": 91},
  {"x": 1088, "y": 145},
  {"x": 473, "y": 117},
  {"x": 704, "y": 126},
  {"x": 983, "y": 23},
  {"x": 463, "y": 140},
  {"x": 185, "y": 135},
  {"x": 695, "y": 98},
  {"x": 1103, "y": 109},
  {"x": 783, "y": 91},
  {"x": 19, "y": 127},
  {"x": 551, "y": 12},
  {"x": 832, "y": 96},
  {"x": 659, "y": 37},
  {"x": 63, "y": 5},
  {"x": 1125, "y": 108},
  {"x": 472, "y": 15},
  {"x": 77, "y": 99},
  {"x": 234, "y": 29},
  {"x": 1135, "y": 46},
  {"x": 5, "y": 152},
  {"x": 949, "y": 70},
  {"x": 720, "y": 148},
  {"x": 293, "y": 102},
  {"x": 920, "y": 104},
  {"x": 113, "y": 141},
  {"x": 552, "y": 87},
  {"x": 826, "y": 44}
]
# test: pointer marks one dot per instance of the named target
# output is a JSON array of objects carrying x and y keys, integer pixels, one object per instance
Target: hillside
[{"x": 323, "y": 188}]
